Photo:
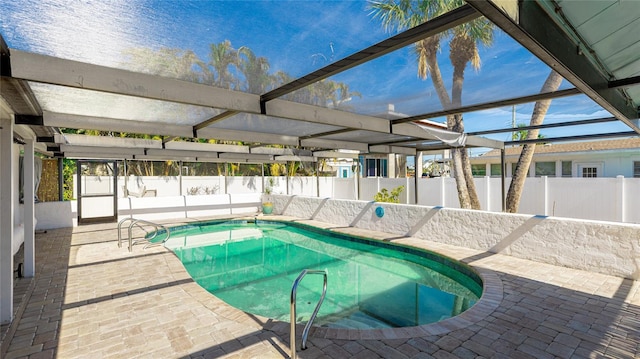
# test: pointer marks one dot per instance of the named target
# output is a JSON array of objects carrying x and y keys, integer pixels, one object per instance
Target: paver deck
[{"x": 91, "y": 299}]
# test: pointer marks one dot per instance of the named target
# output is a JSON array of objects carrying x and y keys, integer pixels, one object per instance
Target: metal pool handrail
[
  {"x": 138, "y": 222},
  {"x": 305, "y": 332},
  {"x": 120, "y": 229}
]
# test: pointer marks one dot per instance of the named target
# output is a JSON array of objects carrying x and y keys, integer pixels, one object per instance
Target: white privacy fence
[{"x": 605, "y": 199}]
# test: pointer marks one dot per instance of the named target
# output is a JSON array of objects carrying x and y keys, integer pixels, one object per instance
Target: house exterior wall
[{"x": 613, "y": 162}]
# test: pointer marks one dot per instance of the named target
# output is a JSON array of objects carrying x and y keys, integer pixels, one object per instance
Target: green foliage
[
  {"x": 68, "y": 171},
  {"x": 385, "y": 196}
]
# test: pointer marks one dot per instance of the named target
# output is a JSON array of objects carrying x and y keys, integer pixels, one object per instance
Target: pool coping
[{"x": 492, "y": 295}]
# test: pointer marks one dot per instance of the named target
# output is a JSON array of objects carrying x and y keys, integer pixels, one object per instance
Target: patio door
[{"x": 97, "y": 191}]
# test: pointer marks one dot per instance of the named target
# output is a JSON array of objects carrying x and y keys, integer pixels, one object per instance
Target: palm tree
[
  {"x": 463, "y": 47},
  {"x": 255, "y": 70},
  {"x": 552, "y": 83},
  {"x": 221, "y": 57}
]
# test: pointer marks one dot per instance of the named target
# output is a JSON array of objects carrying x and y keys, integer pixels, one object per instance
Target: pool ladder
[
  {"x": 139, "y": 223},
  {"x": 305, "y": 332}
]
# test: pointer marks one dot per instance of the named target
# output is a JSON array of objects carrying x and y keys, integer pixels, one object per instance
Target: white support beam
[
  {"x": 164, "y": 158},
  {"x": 104, "y": 150},
  {"x": 316, "y": 114},
  {"x": 205, "y": 147},
  {"x": 335, "y": 144},
  {"x": 392, "y": 149},
  {"x": 248, "y": 157},
  {"x": 7, "y": 199},
  {"x": 52, "y": 70},
  {"x": 272, "y": 151},
  {"x": 96, "y": 156},
  {"x": 109, "y": 124},
  {"x": 247, "y": 136},
  {"x": 29, "y": 209},
  {"x": 57, "y": 71},
  {"x": 336, "y": 154},
  {"x": 104, "y": 141},
  {"x": 181, "y": 153},
  {"x": 296, "y": 158}
]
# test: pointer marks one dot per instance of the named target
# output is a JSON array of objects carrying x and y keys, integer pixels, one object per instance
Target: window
[
  {"x": 496, "y": 169},
  {"x": 566, "y": 169},
  {"x": 479, "y": 170},
  {"x": 636, "y": 169},
  {"x": 589, "y": 172},
  {"x": 545, "y": 169},
  {"x": 376, "y": 167}
]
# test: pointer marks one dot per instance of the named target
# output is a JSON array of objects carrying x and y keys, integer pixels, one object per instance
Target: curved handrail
[
  {"x": 305, "y": 331},
  {"x": 138, "y": 222},
  {"x": 120, "y": 229}
]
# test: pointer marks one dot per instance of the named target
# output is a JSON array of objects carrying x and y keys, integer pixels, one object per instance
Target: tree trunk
[
  {"x": 455, "y": 123},
  {"x": 471, "y": 185},
  {"x": 467, "y": 195},
  {"x": 461, "y": 182},
  {"x": 436, "y": 79},
  {"x": 526, "y": 156}
]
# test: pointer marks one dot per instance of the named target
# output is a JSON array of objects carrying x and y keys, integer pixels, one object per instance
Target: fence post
[
  {"x": 545, "y": 197},
  {"x": 487, "y": 189},
  {"x": 442, "y": 191},
  {"x": 620, "y": 195}
]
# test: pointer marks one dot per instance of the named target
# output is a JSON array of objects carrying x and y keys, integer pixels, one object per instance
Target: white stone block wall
[{"x": 604, "y": 247}]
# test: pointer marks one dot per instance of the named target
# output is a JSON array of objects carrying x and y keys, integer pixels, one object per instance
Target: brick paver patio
[{"x": 91, "y": 299}]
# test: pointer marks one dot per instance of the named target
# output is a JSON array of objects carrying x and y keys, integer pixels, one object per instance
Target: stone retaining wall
[{"x": 603, "y": 247}]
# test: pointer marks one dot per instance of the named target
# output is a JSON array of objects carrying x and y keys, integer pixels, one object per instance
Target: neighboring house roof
[{"x": 606, "y": 145}]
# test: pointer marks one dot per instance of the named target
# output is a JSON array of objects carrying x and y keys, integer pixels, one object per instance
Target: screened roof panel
[
  {"x": 270, "y": 124},
  {"x": 258, "y": 46},
  {"x": 66, "y": 100},
  {"x": 507, "y": 70},
  {"x": 561, "y": 111},
  {"x": 174, "y": 38}
]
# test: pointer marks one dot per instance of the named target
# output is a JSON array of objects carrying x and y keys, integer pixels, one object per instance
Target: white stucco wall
[{"x": 603, "y": 247}]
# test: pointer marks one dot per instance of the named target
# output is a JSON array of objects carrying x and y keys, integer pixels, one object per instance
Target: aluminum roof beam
[
  {"x": 46, "y": 69},
  {"x": 55, "y": 119},
  {"x": 490, "y": 105},
  {"x": 594, "y": 136},
  {"x": 547, "y": 125},
  {"x": 529, "y": 24},
  {"x": 69, "y": 73},
  {"x": 432, "y": 27}
]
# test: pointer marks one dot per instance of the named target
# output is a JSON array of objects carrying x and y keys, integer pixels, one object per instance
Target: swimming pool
[{"x": 371, "y": 284}]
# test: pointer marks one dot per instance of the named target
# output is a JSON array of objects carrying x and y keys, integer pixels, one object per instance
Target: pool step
[{"x": 358, "y": 320}]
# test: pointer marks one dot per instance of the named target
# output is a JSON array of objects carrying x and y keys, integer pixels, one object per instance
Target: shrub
[{"x": 385, "y": 196}]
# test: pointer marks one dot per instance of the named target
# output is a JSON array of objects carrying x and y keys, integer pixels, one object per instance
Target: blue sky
[{"x": 297, "y": 37}]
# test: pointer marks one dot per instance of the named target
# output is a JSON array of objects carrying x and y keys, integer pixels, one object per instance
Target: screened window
[
  {"x": 589, "y": 172},
  {"x": 545, "y": 169},
  {"x": 479, "y": 170},
  {"x": 566, "y": 169},
  {"x": 376, "y": 167},
  {"x": 496, "y": 169},
  {"x": 636, "y": 169}
]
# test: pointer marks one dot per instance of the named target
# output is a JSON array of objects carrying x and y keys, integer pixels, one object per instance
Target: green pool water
[{"x": 371, "y": 284}]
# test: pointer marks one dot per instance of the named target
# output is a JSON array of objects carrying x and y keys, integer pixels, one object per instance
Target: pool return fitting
[{"x": 305, "y": 332}]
